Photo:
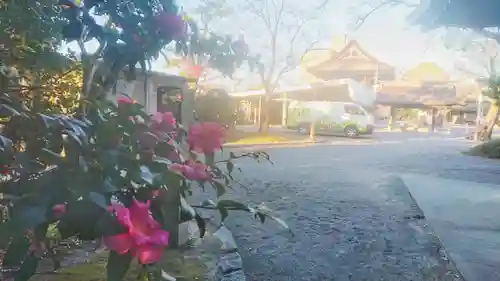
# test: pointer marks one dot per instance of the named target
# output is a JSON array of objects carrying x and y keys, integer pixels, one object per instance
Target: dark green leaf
[
  {"x": 17, "y": 251},
  {"x": 109, "y": 186},
  {"x": 108, "y": 225},
  {"x": 230, "y": 167},
  {"x": 146, "y": 175},
  {"x": 117, "y": 266},
  {"x": 80, "y": 219},
  {"x": 24, "y": 217},
  {"x": 223, "y": 213},
  {"x": 233, "y": 205},
  {"x": 219, "y": 187},
  {"x": 10, "y": 108},
  {"x": 28, "y": 268},
  {"x": 161, "y": 160},
  {"x": 201, "y": 225},
  {"x": 99, "y": 199},
  {"x": 50, "y": 156},
  {"x": 5, "y": 145},
  {"x": 187, "y": 212},
  {"x": 263, "y": 211},
  {"x": 73, "y": 136}
]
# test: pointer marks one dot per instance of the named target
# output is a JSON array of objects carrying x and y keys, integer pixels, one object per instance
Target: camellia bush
[{"x": 111, "y": 171}]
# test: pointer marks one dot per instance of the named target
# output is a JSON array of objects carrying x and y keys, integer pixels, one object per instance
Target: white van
[{"x": 342, "y": 118}]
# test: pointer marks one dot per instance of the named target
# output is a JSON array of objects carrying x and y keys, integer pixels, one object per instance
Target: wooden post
[
  {"x": 259, "y": 111},
  {"x": 433, "y": 119},
  {"x": 284, "y": 110},
  {"x": 392, "y": 116},
  {"x": 312, "y": 131}
]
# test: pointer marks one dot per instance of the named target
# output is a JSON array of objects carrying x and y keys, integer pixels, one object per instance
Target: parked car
[{"x": 336, "y": 118}]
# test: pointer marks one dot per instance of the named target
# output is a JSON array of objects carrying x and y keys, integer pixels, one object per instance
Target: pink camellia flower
[
  {"x": 205, "y": 137},
  {"x": 171, "y": 25},
  {"x": 124, "y": 100},
  {"x": 58, "y": 210},
  {"x": 164, "y": 122},
  {"x": 144, "y": 237},
  {"x": 192, "y": 170}
]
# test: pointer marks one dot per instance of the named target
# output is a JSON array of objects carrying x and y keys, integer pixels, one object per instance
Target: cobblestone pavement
[{"x": 352, "y": 219}]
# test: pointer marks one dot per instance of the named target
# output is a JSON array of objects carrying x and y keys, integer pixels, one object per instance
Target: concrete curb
[
  {"x": 237, "y": 145},
  {"x": 417, "y": 130},
  {"x": 230, "y": 264},
  {"x": 414, "y": 213},
  {"x": 225, "y": 263}
]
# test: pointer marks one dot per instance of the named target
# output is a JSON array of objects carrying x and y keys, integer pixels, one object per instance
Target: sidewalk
[
  {"x": 466, "y": 217},
  {"x": 249, "y": 136}
]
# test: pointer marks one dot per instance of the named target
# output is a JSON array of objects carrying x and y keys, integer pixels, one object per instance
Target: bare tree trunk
[
  {"x": 486, "y": 130},
  {"x": 264, "y": 115}
]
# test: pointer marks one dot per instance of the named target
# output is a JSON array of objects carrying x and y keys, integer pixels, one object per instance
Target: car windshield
[{"x": 353, "y": 109}]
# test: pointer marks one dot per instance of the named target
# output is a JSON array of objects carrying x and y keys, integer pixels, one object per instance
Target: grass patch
[
  {"x": 173, "y": 263},
  {"x": 242, "y": 137},
  {"x": 489, "y": 149}
]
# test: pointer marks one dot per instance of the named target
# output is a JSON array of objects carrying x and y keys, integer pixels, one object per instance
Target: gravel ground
[{"x": 352, "y": 220}]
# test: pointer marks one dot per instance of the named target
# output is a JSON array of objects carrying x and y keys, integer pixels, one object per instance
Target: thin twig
[{"x": 361, "y": 20}]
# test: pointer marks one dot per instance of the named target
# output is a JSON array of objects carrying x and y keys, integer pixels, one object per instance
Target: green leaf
[
  {"x": 108, "y": 186},
  {"x": 28, "y": 268},
  {"x": 223, "y": 213},
  {"x": 219, "y": 187},
  {"x": 161, "y": 160},
  {"x": 146, "y": 175},
  {"x": 234, "y": 205},
  {"x": 117, "y": 266},
  {"x": 108, "y": 225},
  {"x": 51, "y": 157},
  {"x": 80, "y": 219},
  {"x": 24, "y": 217},
  {"x": 98, "y": 199},
  {"x": 229, "y": 167},
  {"x": 201, "y": 225},
  {"x": 16, "y": 253},
  {"x": 263, "y": 211}
]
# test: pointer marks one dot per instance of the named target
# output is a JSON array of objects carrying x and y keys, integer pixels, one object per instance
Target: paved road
[{"x": 351, "y": 218}]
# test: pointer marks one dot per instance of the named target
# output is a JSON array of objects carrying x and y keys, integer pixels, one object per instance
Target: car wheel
[{"x": 351, "y": 131}]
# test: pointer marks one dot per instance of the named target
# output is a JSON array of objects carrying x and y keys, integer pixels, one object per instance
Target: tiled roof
[{"x": 417, "y": 95}]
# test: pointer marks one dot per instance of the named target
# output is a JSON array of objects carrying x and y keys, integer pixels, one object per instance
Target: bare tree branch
[
  {"x": 361, "y": 20},
  {"x": 291, "y": 66},
  {"x": 260, "y": 13},
  {"x": 273, "y": 15},
  {"x": 274, "y": 39}
]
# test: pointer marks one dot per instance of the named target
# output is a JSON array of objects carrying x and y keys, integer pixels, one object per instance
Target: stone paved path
[{"x": 352, "y": 217}]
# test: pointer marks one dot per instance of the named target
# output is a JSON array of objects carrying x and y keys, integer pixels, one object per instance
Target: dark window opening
[{"x": 170, "y": 100}]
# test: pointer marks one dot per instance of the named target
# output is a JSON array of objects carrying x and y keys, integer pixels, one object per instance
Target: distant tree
[
  {"x": 29, "y": 51},
  {"x": 285, "y": 29}
]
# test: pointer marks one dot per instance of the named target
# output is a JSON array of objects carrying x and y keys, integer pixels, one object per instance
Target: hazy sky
[{"x": 386, "y": 34}]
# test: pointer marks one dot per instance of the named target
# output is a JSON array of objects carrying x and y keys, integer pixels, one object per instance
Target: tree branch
[
  {"x": 291, "y": 66},
  {"x": 274, "y": 39},
  {"x": 361, "y": 20},
  {"x": 260, "y": 13}
]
